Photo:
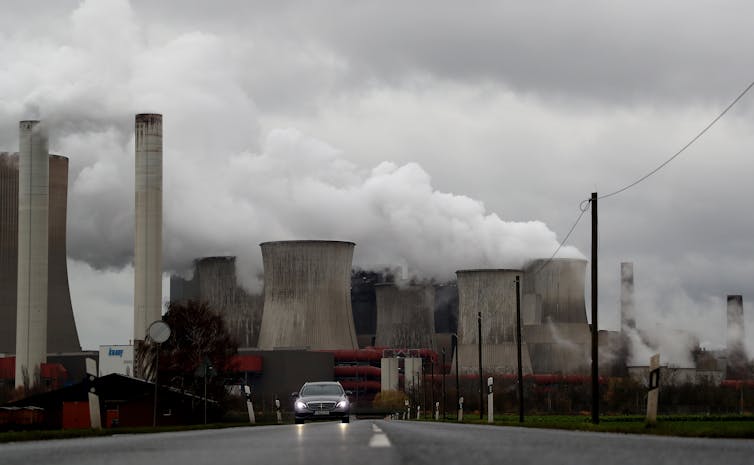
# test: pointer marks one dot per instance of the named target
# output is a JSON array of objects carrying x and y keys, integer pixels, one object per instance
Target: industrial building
[{"x": 317, "y": 317}]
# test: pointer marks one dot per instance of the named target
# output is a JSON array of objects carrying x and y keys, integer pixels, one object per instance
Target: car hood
[{"x": 306, "y": 399}]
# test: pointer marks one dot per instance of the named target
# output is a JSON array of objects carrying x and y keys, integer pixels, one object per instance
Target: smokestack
[
  {"x": 307, "y": 299},
  {"x": 735, "y": 324},
  {"x": 33, "y": 206},
  {"x": 493, "y": 294},
  {"x": 405, "y": 316},
  {"x": 627, "y": 315},
  {"x": 148, "y": 238}
]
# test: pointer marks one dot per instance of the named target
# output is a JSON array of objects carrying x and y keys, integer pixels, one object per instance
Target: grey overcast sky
[{"x": 435, "y": 135}]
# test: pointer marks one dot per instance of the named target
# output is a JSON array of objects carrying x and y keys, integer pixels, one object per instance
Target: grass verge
[
  {"x": 721, "y": 426},
  {"x": 36, "y": 435}
]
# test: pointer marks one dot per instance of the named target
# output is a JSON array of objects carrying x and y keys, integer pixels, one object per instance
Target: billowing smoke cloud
[{"x": 227, "y": 186}]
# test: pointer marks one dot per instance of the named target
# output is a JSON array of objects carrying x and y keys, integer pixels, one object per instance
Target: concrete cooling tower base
[
  {"x": 499, "y": 359},
  {"x": 559, "y": 348}
]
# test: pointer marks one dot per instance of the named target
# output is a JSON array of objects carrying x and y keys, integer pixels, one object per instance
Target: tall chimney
[
  {"x": 627, "y": 316},
  {"x": 735, "y": 323},
  {"x": 148, "y": 238},
  {"x": 33, "y": 206}
]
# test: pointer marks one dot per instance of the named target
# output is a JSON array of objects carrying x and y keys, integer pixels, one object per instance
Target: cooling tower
[
  {"x": 558, "y": 335},
  {"x": 33, "y": 240},
  {"x": 61, "y": 331},
  {"x": 148, "y": 237},
  {"x": 405, "y": 316},
  {"x": 8, "y": 250},
  {"x": 735, "y": 323},
  {"x": 446, "y": 308},
  {"x": 61, "y": 335},
  {"x": 559, "y": 289},
  {"x": 493, "y": 294},
  {"x": 307, "y": 301},
  {"x": 559, "y": 348},
  {"x": 215, "y": 282},
  {"x": 627, "y": 317}
]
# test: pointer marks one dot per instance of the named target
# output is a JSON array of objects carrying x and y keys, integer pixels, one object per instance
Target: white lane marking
[
  {"x": 379, "y": 440},
  {"x": 376, "y": 428}
]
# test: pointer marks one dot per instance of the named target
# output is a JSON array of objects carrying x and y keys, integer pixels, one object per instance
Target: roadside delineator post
[
  {"x": 437, "y": 411},
  {"x": 490, "y": 407},
  {"x": 279, "y": 413},
  {"x": 460, "y": 409},
  {"x": 95, "y": 420},
  {"x": 654, "y": 389},
  {"x": 249, "y": 406}
]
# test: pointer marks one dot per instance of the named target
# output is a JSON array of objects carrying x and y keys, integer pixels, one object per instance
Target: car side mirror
[
  {"x": 349, "y": 393},
  {"x": 294, "y": 395}
]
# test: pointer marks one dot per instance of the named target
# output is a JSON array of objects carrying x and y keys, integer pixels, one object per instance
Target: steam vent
[
  {"x": 493, "y": 294},
  {"x": 307, "y": 301},
  {"x": 405, "y": 316}
]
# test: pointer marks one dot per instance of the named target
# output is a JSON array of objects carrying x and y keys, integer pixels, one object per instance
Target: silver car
[{"x": 323, "y": 400}]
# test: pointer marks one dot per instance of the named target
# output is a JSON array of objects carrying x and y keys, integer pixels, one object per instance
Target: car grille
[{"x": 321, "y": 405}]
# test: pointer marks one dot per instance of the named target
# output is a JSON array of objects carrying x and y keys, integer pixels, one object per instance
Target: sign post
[{"x": 158, "y": 332}]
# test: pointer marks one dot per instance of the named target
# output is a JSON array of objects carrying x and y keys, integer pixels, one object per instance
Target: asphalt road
[{"x": 367, "y": 442}]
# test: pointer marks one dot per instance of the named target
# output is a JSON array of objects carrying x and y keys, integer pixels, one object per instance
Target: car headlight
[
  {"x": 342, "y": 404},
  {"x": 300, "y": 405}
]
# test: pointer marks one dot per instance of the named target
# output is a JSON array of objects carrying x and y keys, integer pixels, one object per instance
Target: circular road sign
[{"x": 159, "y": 331}]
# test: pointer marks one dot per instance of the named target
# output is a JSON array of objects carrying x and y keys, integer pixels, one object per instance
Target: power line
[
  {"x": 683, "y": 149},
  {"x": 583, "y": 206},
  {"x": 570, "y": 231}
]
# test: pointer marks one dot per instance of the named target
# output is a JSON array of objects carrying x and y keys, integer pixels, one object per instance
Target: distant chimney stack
[
  {"x": 735, "y": 323},
  {"x": 627, "y": 315}
]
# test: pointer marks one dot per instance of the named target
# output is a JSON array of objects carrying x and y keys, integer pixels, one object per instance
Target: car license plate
[{"x": 321, "y": 412}]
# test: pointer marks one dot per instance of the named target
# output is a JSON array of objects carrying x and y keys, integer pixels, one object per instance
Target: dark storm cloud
[{"x": 621, "y": 51}]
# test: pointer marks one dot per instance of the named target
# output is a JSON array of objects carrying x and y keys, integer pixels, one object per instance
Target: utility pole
[
  {"x": 481, "y": 381},
  {"x": 518, "y": 352},
  {"x": 458, "y": 387},
  {"x": 443, "y": 384},
  {"x": 595, "y": 326}
]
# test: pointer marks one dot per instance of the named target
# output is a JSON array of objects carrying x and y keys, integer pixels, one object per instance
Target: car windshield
[{"x": 322, "y": 390}]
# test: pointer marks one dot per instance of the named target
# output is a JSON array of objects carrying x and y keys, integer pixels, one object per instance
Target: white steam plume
[{"x": 227, "y": 184}]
